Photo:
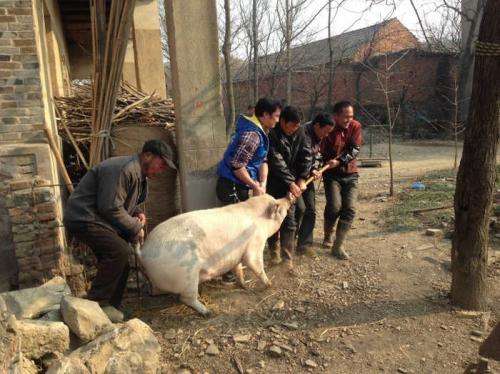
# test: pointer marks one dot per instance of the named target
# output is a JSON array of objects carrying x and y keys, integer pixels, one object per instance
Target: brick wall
[
  {"x": 31, "y": 245},
  {"x": 21, "y": 109},
  {"x": 426, "y": 78}
]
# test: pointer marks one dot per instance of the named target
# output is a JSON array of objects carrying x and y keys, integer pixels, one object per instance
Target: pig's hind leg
[
  {"x": 190, "y": 297},
  {"x": 240, "y": 277}
]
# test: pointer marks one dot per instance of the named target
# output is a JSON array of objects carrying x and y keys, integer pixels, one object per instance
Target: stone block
[
  {"x": 434, "y": 232},
  {"x": 49, "y": 207},
  {"x": 22, "y": 218},
  {"x": 23, "y": 198},
  {"x": 29, "y": 263},
  {"x": 41, "y": 337},
  {"x": 44, "y": 217},
  {"x": 32, "y": 302},
  {"x": 23, "y": 229},
  {"x": 43, "y": 196},
  {"x": 128, "y": 348},
  {"x": 84, "y": 317},
  {"x": 24, "y": 237},
  {"x": 47, "y": 246},
  {"x": 21, "y": 184},
  {"x": 26, "y": 249}
]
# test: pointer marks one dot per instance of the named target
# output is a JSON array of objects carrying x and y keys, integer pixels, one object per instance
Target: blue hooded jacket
[{"x": 244, "y": 124}]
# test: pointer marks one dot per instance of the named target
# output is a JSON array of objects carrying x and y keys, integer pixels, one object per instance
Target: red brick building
[{"x": 418, "y": 80}]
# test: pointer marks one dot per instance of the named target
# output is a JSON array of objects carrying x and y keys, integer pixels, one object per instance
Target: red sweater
[{"x": 338, "y": 142}]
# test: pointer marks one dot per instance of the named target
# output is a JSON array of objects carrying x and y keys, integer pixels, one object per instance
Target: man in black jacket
[
  {"x": 315, "y": 130},
  {"x": 289, "y": 160},
  {"x": 103, "y": 212}
]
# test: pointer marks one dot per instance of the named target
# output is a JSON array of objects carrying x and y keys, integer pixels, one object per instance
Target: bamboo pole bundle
[
  {"x": 108, "y": 65},
  {"x": 74, "y": 113}
]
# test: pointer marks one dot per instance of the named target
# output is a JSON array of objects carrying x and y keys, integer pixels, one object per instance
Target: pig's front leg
[
  {"x": 254, "y": 259},
  {"x": 240, "y": 277}
]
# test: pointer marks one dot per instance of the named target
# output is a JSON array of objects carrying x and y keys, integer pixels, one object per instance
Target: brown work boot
[
  {"x": 274, "y": 249},
  {"x": 328, "y": 229},
  {"x": 337, "y": 248},
  {"x": 306, "y": 250}
]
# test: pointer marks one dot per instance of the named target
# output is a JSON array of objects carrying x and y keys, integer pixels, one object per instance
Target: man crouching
[{"x": 103, "y": 212}]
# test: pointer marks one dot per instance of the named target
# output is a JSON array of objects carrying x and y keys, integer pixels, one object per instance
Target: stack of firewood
[{"x": 74, "y": 114}]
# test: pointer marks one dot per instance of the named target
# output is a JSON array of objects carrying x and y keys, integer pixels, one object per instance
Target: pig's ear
[{"x": 271, "y": 211}]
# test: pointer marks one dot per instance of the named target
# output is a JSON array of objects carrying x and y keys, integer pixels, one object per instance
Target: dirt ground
[{"x": 385, "y": 310}]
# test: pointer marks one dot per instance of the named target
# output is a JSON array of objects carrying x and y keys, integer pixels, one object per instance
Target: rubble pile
[{"x": 46, "y": 329}]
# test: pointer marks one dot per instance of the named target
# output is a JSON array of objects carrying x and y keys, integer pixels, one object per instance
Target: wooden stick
[
  {"x": 59, "y": 159},
  {"x": 418, "y": 211},
  {"x": 310, "y": 179},
  {"x": 72, "y": 140}
]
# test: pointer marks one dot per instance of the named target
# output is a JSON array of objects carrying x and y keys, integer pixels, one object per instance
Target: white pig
[{"x": 197, "y": 246}]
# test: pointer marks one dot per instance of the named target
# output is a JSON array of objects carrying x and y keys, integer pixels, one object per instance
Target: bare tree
[
  {"x": 420, "y": 23},
  {"x": 255, "y": 49},
  {"x": 383, "y": 75},
  {"x": 476, "y": 174},
  {"x": 454, "y": 125},
  {"x": 251, "y": 34},
  {"x": 226, "y": 48},
  {"x": 329, "y": 102},
  {"x": 294, "y": 28},
  {"x": 332, "y": 15}
]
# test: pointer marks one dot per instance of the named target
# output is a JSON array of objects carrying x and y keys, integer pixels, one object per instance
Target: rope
[
  {"x": 487, "y": 49},
  {"x": 108, "y": 140}
]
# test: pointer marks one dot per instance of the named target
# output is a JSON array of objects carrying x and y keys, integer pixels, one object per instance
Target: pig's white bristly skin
[{"x": 197, "y": 246}]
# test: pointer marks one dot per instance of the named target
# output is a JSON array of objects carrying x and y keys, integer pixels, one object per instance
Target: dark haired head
[
  {"x": 291, "y": 114},
  {"x": 265, "y": 105},
  {"x": 323, "y": 119},
  {"x": 339, "y": 107}
]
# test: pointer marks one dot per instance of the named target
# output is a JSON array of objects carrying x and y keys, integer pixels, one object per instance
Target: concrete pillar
[
  {"x": 143, "y": 65},
  {"x": 200, "y": 127}
]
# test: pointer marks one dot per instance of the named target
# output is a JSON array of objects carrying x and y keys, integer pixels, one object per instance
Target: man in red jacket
[{"x": 341, "y": 148}]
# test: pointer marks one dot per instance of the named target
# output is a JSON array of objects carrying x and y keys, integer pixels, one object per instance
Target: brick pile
[{"x": 35, "y": 230}]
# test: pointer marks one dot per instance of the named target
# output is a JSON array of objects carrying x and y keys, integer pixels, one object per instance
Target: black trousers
[
  {"x": 111, "y": 252},
  {"x": 341, "y": 196},
  {"x": 229, "y": 192},
  {"x": 305, "y": 216},
  {"x": 286, "y": 233}
]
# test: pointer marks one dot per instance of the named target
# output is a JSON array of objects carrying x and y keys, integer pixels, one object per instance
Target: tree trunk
[
  {"x": 422, "y": 28},
  {"x": 226, "y": 48},
  {"x": 255, "y": 48},
  {"x": 391, "y": 125},
  {"x": 476, "y": 175},
  {"x": 329, "y": 102},
  {"x": 455, "y": 122},
  {"x": 288, "y": 42},
  {"x": 466, "y": 60}
]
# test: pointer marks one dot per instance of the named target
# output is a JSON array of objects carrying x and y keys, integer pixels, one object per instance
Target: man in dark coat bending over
[{"x": 103, "y": 212}]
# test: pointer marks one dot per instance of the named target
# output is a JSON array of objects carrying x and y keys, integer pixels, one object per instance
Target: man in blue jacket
[{"x": 244, "y": 165}]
